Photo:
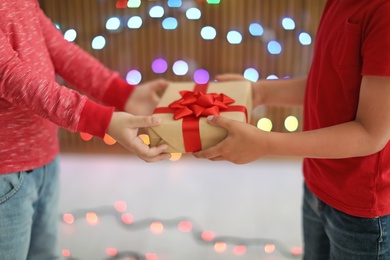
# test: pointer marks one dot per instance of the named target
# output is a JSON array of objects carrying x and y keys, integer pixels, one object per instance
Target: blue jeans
[
  {"x": 332, "y": 234},
  {"x": 29, "y": 213}
]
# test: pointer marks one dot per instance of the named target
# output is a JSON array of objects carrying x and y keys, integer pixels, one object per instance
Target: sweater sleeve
[
  {"x": 82, "y": 70},
  {"x": 23, "y": 87}
]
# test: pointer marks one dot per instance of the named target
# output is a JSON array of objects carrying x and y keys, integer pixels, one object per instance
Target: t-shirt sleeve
[{"x": 376, "y": 42}]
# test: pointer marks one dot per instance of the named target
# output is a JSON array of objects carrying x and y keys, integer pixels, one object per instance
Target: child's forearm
[{"x": 283, "y": 92}]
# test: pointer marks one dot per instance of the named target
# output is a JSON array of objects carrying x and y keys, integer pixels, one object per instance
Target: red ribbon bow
[{"x": 199, "y": 104}]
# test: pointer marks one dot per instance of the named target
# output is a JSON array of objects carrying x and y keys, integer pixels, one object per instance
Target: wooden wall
[{"x": 129, "y": 49}]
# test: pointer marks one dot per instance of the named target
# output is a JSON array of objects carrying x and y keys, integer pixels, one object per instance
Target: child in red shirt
[{"x": 346, "y": 99}]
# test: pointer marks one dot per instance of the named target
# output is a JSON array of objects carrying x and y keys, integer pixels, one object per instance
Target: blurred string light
[
  {"x": 133, "y": 3},
  {"x": 174, "y": 3},
  {"x": 156, "y": 11},
  {"x": 70, "y": 35},
  {"x": 180, "y": 68},
  {"x": 193, "y": 13},
  {"x": 201, "y": 76},
  {"x": 146, "y": 140},
  {"x": 98, "y": 43},
  {"x": 109, "y": 140},
  {"x": 113, "y": 24},
  {"x": 274, "y": 47},
  {"x": 134, "y": 22},
  {"x": 213, "y": 2},
  {"x": 121, "y": 4},
  {"x": 256, "y": 29},
  {"x": 304, "y": 38},
  {"x": 159, "y": 66},
  {"x": 234, "y": 37},
  {"x": 157, "y": 226},
  {"x": 169, "y": 23},
  {"x": 208, "y": 33},
  {"x": 251, "y": 74},
  {"x": 291, "y": 123},
  {"x": 288, "y": 23},
  {"x": 133, "y": 77},
  {"x": 264, "y": 124},
  {"x": 272, "y": 76}
]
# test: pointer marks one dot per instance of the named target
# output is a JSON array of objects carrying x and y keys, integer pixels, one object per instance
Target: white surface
[{"x": 257, "y": 200}]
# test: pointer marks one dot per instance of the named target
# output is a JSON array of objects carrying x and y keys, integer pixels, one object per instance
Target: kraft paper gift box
[{"x": 184, "y": 108}]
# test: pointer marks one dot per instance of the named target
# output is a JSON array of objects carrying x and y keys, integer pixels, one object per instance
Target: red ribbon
[{"x": 195, "y": 104}]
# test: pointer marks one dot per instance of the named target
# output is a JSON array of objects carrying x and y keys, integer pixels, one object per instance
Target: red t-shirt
[
  {"x": 32, "y": 104},
  {"x": 353, "y": 40}
]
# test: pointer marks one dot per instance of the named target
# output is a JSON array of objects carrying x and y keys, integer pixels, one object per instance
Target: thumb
[
  {"x": 143, "y": 121},
  {"x": 219, "y": 121},
  {"x": 159, "y": 84}
]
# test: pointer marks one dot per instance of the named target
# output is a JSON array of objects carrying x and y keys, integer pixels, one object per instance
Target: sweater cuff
[
  {"x": 95, "y": 119},
  {"x": 118, "y": 93}
]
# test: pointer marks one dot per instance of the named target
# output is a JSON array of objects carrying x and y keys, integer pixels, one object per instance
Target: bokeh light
[
  {"x": 145, "y": 138},
  {"x": 256, "y": 29},
  {"x": 208, "y": 235},
  {"x": 220, "y": 247},
  {"x": 65, "y": 252},
  {"x": 169, "y": 23},
  {"x": 304, "y": 38},
  {"x": 159, "y": 66},
  {"x": 180, "y": 68},
  {"x": 113, "y": 23},
  {"x": 111, "y": 251},
  {"x": 86, "y": 137},
  {"x": 201, "y": 76},
  {"x": 70, "y": 35},
  {"x": 185, "y": 226},
  {"x": 272, "y": 76},
  {"x": 120, "y": 206},
  {"x": 156, "y": 228},
  {"x": 98, "y": 42},
  {"x": 109, "y": 140},
  {"x": 213, "y": 2},
  {"x": 297, "y": 251},
  {"x": 127, "y": 218},
  {"x": 174, "y": 3},
  {"x": 68, "y": 218},
  {"x": 274, "y": 47},
  {"x": 234, "y": 37},
  {"x": 134, "y": 3},
  {"x": 264, "y": 124},
  {"x": 92, "y": 218},
  {"x": 208, "y": 33},
  {"x": 133, "y": 77},
  {"x": 251, "y": 74},
  {"x": 288, "y": 23},
  {"x": 134, "y": 22},
  {"x": 156, "y": 11},
  {"x": 269, "y": 248},
  {"x": 239, "y": 250},
  {"x": 150, "y": 256},
  {"x": 291, "y": 123},
  {"x": 193, "y": 13},
  {"x": 175, "y": 156}
]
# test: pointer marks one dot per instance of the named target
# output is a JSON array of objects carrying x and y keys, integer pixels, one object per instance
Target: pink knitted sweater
[{"x": 32, "y": 104}]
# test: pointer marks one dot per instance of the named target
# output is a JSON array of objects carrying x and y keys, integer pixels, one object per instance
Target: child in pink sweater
[{"x": 32, "y": 107}]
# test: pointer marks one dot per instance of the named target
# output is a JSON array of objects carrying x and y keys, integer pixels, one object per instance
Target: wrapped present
[{"x": 184, "y": 108}]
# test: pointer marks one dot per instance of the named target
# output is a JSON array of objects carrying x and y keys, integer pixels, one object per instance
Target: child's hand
[
  {"x": 145, "y": 97},
  {"x": 244, "y": 142},
  {"x": 124, "y": 129}
]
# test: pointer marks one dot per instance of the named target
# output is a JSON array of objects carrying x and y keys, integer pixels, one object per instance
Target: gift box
[{"x": 184, "y": 108}]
